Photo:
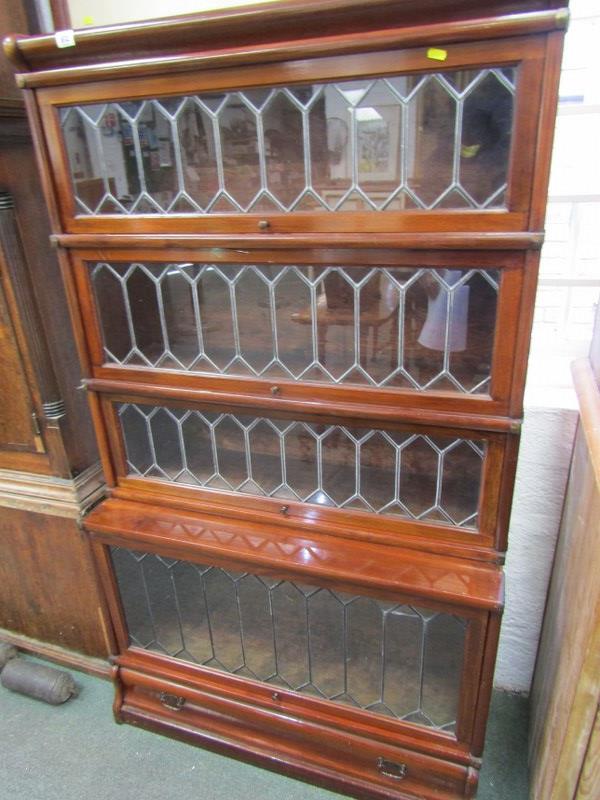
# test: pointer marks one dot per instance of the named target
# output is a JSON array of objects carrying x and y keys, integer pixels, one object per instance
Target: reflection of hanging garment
[{"x": 433, "y": 334}]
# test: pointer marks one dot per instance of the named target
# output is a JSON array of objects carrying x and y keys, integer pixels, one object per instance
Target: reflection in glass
[
  {"x": 395, "y": 660},
  {"x": 413, "y": 141},
  {"x": 407, "y": 475},
  {"x": 398, "y": 327}
]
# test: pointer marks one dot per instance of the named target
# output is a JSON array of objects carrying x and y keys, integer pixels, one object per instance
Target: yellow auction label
[{"x": 436, "y": 54}]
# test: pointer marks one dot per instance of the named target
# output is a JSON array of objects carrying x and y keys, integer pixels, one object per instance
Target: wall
[
  {"x": 110, "y": 12},
  {"x": 567, "y": 296}
]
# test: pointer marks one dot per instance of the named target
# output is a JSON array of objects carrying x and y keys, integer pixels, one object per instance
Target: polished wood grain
[
  {"x": 48, "y": 588},
  {"x": 247, "y": 38},
  {"x": 312, "y": 751},
  {"x": 294, "y": 553},
  {"x": 566, "y": 687}
]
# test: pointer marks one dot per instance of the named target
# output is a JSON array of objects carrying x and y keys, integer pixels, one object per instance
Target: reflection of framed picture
[{"x": 378, "y": 143}]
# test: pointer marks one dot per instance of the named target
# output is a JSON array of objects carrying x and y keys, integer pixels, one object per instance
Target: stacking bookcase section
[
  {"x": 273, "y": 644},
  {"x": 365, "y": 326},
  {"x": 403, "y": 483},
  {"x": 396, "y": 137},
  {"x": 300, "y": 242}
]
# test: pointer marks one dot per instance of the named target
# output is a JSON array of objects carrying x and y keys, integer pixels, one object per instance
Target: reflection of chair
[{"x": 336, "y": 307}]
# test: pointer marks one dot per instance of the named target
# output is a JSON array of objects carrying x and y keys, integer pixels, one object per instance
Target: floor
[{"x": 76, "y": 751}]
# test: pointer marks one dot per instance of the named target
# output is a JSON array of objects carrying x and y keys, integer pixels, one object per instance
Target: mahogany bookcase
[{"x": 300, "y": 243}]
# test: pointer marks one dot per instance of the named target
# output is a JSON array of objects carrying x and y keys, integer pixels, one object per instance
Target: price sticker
[
  {"x": 64, "y": 39},
  {"x": 437, "y": 54}
]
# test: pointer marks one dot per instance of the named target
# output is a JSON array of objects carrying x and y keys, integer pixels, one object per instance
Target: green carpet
[{"x": 76, "y": 751}]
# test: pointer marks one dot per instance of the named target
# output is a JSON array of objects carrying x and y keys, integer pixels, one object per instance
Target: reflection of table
[{"x": 378, "y": 313}]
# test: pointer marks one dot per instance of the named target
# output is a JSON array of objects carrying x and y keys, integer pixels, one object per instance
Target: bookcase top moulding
[{"x": 272, "y": 32}]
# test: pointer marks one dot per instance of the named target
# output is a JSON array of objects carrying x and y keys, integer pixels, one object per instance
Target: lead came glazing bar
[
  {"x": 398, "y": 327},
  {"x": 412, "y": 141},
  {"x": 431, "y": 479},
  {"x": 370, "y": 654}
]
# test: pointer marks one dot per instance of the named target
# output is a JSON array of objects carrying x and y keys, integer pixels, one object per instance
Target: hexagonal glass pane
[
  {"x": 163, "y": 605},
  {"x": 110, "y": 301},
  {"x": 239, "y": 144},
  {"x": 301, "y": 461},
  {"x": 380, "y": 309},
  {"x": 177, "y": 295},
  {"x": 423, "y": 329},
  {"x": 145, "y": 313},
  {"x": 474, "y": 311},
  {"x": 378, "y": 471},
  {"x": 137, "y": 437},
  {"x": 326, "y": 642},
  {"x": 435, "y": 479},
  {"x": 165, "y": 437},
  {"x": 284, "y": 149},
  {"x": 158, "y": 155},
  {"x": 221, "y": 602},
  {"x": 265, "y": 454},
  {"x": 255, "y": 326},
  {"x": 231, "y": 451},
  {"x": 378, "y": 119},
  {"x": 442, "y": 670},
  {"x": 294, "y": 316},
  {"x": 192, "y": 612},
  {"x": 330, "y": 126},
  {"x": 128, "y": 573},
  {"x": 403, "y": 636},
  {"x": 363, "y": 658},
  {"x": 338, "y": 459},
  {"x": 336, "y": 319},
  {"x": 214, "y": 302},
  {"x": 198, "y": 153},
  {"x": 418, "y": 476},
  {"x": 432, "y": 115},
  {"x": 426, "y": 335},
  {"x": 291, "y": 634},
  {"x": 198, "y": 447},
  {"x": 461, "y": 482},
  {"x": 257, "y": 627},
  {"x": 485, "y": 143}
]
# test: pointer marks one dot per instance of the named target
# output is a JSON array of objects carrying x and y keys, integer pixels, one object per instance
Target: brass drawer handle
[
  {"x": 391, "y": 769},
  {"x": 172, "y": 701}
]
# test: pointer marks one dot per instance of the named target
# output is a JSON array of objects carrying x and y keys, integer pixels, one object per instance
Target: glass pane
[
  {"x": 413, "y": 141},
  {"x": 399, "y": 327},
  {"x": 396, "y": 660},
  {"x": 383, "y": 472}
]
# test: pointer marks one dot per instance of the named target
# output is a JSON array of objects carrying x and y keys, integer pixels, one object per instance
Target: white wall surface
[
  {"x": 110, "y": 12},
  {"x": 542, "y": 473}
]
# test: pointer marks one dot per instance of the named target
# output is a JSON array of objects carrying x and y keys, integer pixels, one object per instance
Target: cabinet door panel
[
  {"x": 387, "y": 137},
  {"x": 397, "y": 474},
  {"x": 385, "y": 327},
  {"x": 16, "y": 408},
  {"x": 391, "y": 658},
  {"x": 437, "y": 140}
]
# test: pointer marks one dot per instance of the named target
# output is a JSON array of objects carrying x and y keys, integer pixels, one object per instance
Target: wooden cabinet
[
  {"x": 301, "y": 246},
  {"x": 49, "y": 470}
]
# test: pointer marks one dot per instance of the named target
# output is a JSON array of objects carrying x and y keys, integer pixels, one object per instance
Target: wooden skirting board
[{"x": 59, "y": 655}]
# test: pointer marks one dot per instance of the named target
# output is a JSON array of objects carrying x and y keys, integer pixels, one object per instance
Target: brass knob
[
  {"x": 275, "y": 390},
  {"x": 276, "y": 696},
  {"x": 264, "y": 224},
  {"x": 285, "y": 510}
]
